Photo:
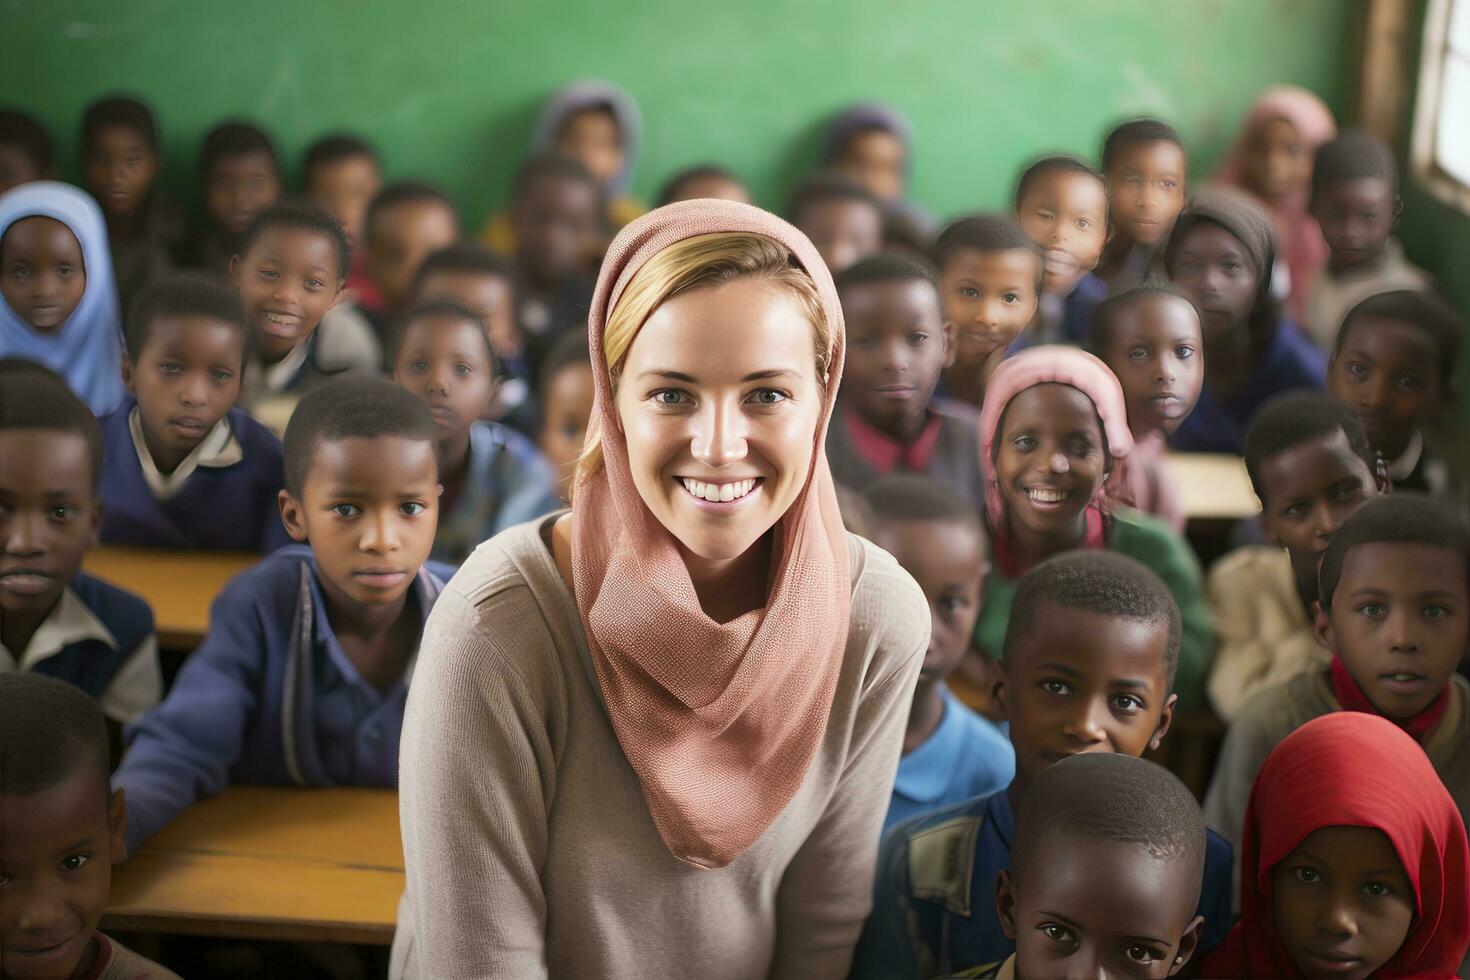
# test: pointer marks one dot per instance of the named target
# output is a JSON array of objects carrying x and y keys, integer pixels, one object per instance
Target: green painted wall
[{"x": 449, "y": 88}]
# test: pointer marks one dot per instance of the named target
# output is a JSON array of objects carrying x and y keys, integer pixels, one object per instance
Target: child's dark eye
[
  {"x": 969, "y": 292},
  {"x": 1045, "y": 215},
  {"x": 1184, "y": 352},
  {"x": 346, "y": 510},
  {"x": 269, "y": 274},
  {"x": 1079, "y": 447},
  {"x": 1168, "y": 185},
  {"x": 74, "y": 862},
  {"x": 170, "y": 369},
  {"x": 1084, "y": 223},
  {"x": 1012, "y": 297},
  {"x": 1231, "y": 267},
  {"x": 953, "y": 604},
  {"x": 314, "y": 284},
  {"x": 1307, "y": 876},
  {"x": 21, "y": 272},
  {"x": 1357, "y": 370},
  {"x": 1142, "y": 954},
  {"x": 917, "y": 338},
  {"x": 418, "y": 367},
  {"x": 1059, "y": 688},
  {"x": 1436, "y": 612},
  {"x": 1128, "y": 703},
  {"x": 463, "y": 370},
  {"x": 221, "y": 375},
  {"x": 1409, "y": 383},
  {"x": 668, "y": 397},
  {"x": 1138, "y": 354},
  {"x": 66, "y": 271},
  {"x": 1373, "y": 610},
  {"x": 768, "y": 396},
  {"x": 1377, "y": 889},
  {"x": 1057, "y": 934},
  {"x": 413, "y": 508},
  {"x": 63, "y": 514},
  {"x": 1024, "y": 443}
]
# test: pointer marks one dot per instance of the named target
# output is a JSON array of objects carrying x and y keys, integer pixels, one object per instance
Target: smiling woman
[{"x": 696, "y": 680}]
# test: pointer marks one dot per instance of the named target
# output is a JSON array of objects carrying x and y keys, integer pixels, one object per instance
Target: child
[
  {"x": 1394, "y": 364},
  {"x": 1355, "y": 199},
  {"x": 1108, "y": 858},
  {"x": 54, "y": 618},
  {"x": 177, "y": 455},
  {"x": 406, "y": 222},
  {"x": 493, "y": 477},
  {"x": 897, "y": 344},
  {"x": 705, "y": 180},
  {"x": 872, "y": 144},
  {"x": 241, "y": 176},
  {"x": 842, "y": 218},
  {"x": 1089, "y": 667},
  {"x": 1312, "y": 468},
  {"x": 120, "y": 160},
  {"x": 1394, "y": 611},
  {"x": 990, "y": 279},
  {"x": 556, "y": 215},
  {"x": 1145, "y": 166},
  {"x": 341, "y": 173},
  {"x": 1053, "y": 429},
  {"x": 60, "y": 306},
  {"x": 1149, "y": 336},
  {"x": 63, "y": 833},
  {"x": 302, "y": 678},
  {"x": 1272, "y": 160},
  {"x": 1221, "y": 255},
  {"x": 950, "y": 754},
  {"x": 1062, "y": 204},
  {"x": 25, "y": 150},
  {"x": 566, "y": 407},
  {"x": 1358, "y": 858}
]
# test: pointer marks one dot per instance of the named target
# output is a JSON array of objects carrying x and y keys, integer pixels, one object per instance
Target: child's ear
[
  {"x": 1322, "y": 626},
  {"x": 1005, "y": 904},
  {"x": 1188, "y": 943},
  {"x": 235, "y": 270},
  {"x": 127, "y": 374},
  {"x": 117, "y": 826},
  {"x": 1398, "y": 211},
  {"x": 291, "y": 516},
  {"x": 1002, "y": 695},
  {"x": 1166, "y": 718},
  {"x": 949, "y": 344},
  {"x": 340, "y": 294}
]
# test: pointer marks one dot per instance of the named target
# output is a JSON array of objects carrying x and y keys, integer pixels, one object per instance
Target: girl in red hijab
[{"x": 1354, "y": 860}]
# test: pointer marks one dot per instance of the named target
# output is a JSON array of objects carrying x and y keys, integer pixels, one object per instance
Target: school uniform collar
[
  {"x": 423, "y": 592},
  {"x": 925, "y": 773},
  {"x": 217, "y": 449},
  {"x": 1403, "y": 467},
  {"x": 279, "y": 376},
  {"x": 70, "y": 621},
  {"x": 884, "y": 453},
  {"x": 1007, "y": 969}
]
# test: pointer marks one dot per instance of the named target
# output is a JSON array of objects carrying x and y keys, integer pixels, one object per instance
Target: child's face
[
  {"x": 1067, "y": 215},
  {"x": 17, "y": 167},
  {"x": 1356, "y": 216},
  {"x": 1049, "y": 458},
  {"x": 56, "y": 860},
  {"x": 1146, "y": 189},
  {"x": 1083, "y": 681},
  {"x": 592, "y": 137},
  {"x": 877, "y": 159},
  {"x": 1155, "y": 350},
  {"x": 1214, "y": 270},
  {"x": 1309, "y": 489},
  {"x": 1388, "y": 371},
  {"x": 1400, "y": 621},
  {"x": 288, "y": 281},
  {"x": 1096, "y": 908},
  {"x": 369, "y": 509},
  {"x": 120, "y": 169},
  {"x": 843, "y": 230},
  {"x": 444, "y": 362},
  {"x": 1277, "y": 162},
  {"x": 239, "y": 187},
  {"x": 1343, "y": 905},
  {"x": 345, "y": 187},
  {"x": 42, "y": 275},
  {"x": 48, "y": 517},
  {"x": 896, "y": 347},
  {"x": 989, "y": 298},
  {"x": 490, "y": 296},
  {"x": 566, "y": 407},
  {"x": 556, "y": 225},
  {"x": 712, "y": 186},
  {"x": 186, "y": 378},
  {"x": 400, "y": 239},
  {"x": 947, "y": 559}
]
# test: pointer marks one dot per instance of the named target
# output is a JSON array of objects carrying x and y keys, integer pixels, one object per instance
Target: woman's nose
[{"x": 719, "y": 435}]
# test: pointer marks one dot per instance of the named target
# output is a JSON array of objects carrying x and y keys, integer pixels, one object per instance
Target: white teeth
[
  {"x": 1045, "y": 496},
  {"x": 279, "y": 318},
  {"x": 718, "y": 492}
]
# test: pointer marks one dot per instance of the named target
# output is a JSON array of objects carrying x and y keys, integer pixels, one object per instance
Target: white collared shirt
[
  {"x": 218, "y": 448},
  {"x": 1399, "y": 469},
  {"x": 136, "y": 687}
]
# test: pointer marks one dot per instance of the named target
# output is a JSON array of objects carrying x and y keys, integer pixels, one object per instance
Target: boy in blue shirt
[
  {"x": 177, "y": 454},
  {"x": 1088, "y": 666},
  {"x": 303, "y": 676},
  {"x": 54, "y": 618},
  {"x": 950, "y": 753},
  {"x": 1062, "y": 203}
]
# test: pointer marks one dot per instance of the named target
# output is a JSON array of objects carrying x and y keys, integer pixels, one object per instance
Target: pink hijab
[
  {"x": 1045, "y": 365},
  {"x": 719, "y": 721},
  {"x": 1301, "y": 243}
]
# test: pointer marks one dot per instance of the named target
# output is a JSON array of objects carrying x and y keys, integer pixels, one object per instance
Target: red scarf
[
  {"x": 1094, "y": 537},
  {"x": 884, "y": 453},
  {"x": 1352, "y": 698},
  {"x": 1349, "y": 769}
]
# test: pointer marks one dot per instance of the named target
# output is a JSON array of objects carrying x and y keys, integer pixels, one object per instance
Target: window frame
[{"x": 1423, "y": 160}]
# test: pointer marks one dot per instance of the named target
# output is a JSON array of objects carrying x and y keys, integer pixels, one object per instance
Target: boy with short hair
[
  {"x": 1062, "y": 204},
  {"x": 63, "y": 833},
  {"x": 950, "y": 753},
  {"x": 1311, "y": 466},
  {"x": 303, "y": 676},
  {"x": 897, "y": 345},
  {"x": 1394, "y": 615},
  {"x": 1088, "y": 666},
  {"x": 341, "y": 173},
  {"x": 566, "y": 392},
  {"x": 178, "y": 454},
  {"x": 241, "y": 177},
  {"x": 25, "y": 150},
  {"x": 841, "y": 217},
  {"x": 1145, "y": 165},
  {"x": 404, "y": 223},
  {"x": 1355, "y": 200},
  {"x": 54, "y": 618}
]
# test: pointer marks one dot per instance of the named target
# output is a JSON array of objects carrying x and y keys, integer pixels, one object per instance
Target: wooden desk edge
[{"x": 283, "y": 930}]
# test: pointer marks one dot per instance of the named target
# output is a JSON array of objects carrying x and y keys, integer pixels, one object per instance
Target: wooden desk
[
  {"x": 1213, "y": 486},
  {"x": 179, "y": 585},
  {"x": 305, "y": 865}
]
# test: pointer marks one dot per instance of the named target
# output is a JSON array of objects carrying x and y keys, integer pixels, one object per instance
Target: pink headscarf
[
  {"x": 1299, "y": 237},
  {"x": 719, "y": 721},
  {"x": 1045, "y": 365}
]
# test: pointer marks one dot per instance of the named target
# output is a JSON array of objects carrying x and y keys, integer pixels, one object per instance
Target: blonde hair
[{"x": 701, "y": 262}]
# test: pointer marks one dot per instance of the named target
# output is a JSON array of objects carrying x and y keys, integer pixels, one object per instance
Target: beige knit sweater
[{"x": 529, "y": 848}]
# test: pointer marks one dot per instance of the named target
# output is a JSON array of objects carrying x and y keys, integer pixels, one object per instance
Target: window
[{"x": 1441, "y": 147}]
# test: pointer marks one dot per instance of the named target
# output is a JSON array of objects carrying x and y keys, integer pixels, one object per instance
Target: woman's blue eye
[
  {"x": 769, "y": 396},
  {"x": 667, "y": 396}
]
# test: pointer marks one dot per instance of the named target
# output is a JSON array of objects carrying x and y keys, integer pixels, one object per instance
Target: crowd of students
[{"x": 348, "y": 384}]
